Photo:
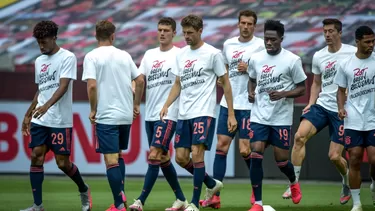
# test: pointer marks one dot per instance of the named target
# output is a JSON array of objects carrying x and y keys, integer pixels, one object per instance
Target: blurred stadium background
[{"x": 136, "y": 32}]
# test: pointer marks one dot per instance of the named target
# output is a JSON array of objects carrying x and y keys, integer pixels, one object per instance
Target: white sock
[
  {"x": 345, "y": 178},
  {"x": 356, "y": 196},
  {"x": 297, "y": 171},
  {"x": 259, "y": 202},
  {"x": 373, "y": 185}
]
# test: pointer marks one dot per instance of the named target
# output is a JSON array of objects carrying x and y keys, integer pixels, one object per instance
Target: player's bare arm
[
  {"x": 93, "y": 98},
  {"x": 252, "y": 84},
  {"x": 138, "y": 93},
  {"x": 341, "y": 97},
  {"x": 314, "y": 92},
  {"x": 175, "y": 92},
  {"x": 296, "y": 92},
  {"x": 232, "y": 122},
  {"x": 41, "y": 110},
  {"x": 218, "y": 79},
  {"x": 29, "y": 113}
]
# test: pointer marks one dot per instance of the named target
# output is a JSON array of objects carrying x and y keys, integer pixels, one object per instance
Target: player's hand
[
  {"x": 26, "y": 126},
  {"x": 242, "y": 66},
  {"x": 40, "y": 111},
  {"x": 92, "y": 117},
  {"x": 218, "y": 82},
  {"x": 275, "y": 95},
  {"x": 342, "y": 114},
  {"x": 251, "y": 97},
  {"x": 163, "y": 113},
  {"x": 136, "y": 111},
  {"x": 232, "y": 123},
  {"x": 306, "y": 109}
]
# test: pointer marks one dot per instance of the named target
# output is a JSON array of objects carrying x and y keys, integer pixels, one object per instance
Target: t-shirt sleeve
[
  {"x": 142, "y": 66},
  {"x": 36, "y": 73},
  {"x": 225, "y": 60},
  {"x": 297, "y": 73},
  {"x": 69, "y": 67},
  {"x": 315, "y": 65},
  {"x": 133, "y": 68},
  {"x": 218, "y": 64},
  {"x": 251, "y": 69},
  {"x": 340, "y": 78},
  {"x": 89, "y": 70},
  {"x": 176, "y": 71}
]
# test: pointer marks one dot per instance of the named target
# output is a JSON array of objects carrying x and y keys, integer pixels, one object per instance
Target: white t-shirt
[
  {"x": 358, "y": 75},
  {"x": 274, "y": 73},
  {"x": 157, "y": 66},
  {"x": 235, "y": 51},
  {"x": 48, "y": 71},
  {"x": 113, "y": 69},
  {"x": 198, "y": 70},
  {"x": 325, "y": 63}
]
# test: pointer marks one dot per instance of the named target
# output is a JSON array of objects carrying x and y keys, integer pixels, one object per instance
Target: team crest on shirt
[
  {"x": 329, "y": 73},
  {"x": 45, "y": 74},
  {"x": 191, "y": 74}
]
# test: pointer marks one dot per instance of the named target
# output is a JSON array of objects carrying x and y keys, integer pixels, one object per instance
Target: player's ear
[{"x": 112, "y": 37}]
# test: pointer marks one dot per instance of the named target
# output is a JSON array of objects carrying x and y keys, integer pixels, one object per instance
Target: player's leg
[
  {"x": 182, "y": 145},
  {"x": 60, "y": 143},
  {"x": 121, "y": 164},
  {"x": 372, "y": 186},
  {"x": 244, "y": 140},
  {"x": 371, "y": 159},
  {"x": 336, "y": 130},
  {"x": 203, "y": 132},
  {"x": 108, "y": 137},
  {"x": 224, "y": 139},
  {"x": 244, "y": 135},
  {"x": 168, "y": 169},
  {"x": 170, "y": 175},
  {"x": 259, "y": 135},
  {"x": 354, "y": 144},
  {"x": 280, "y": 139},
  {"x": 150, "y": 128},
  {"x": 39, "y": 136},
  {"x": 311, "y": 122}
]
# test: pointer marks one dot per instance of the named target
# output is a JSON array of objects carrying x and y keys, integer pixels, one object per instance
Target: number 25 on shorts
[{"x": 198, "y": 128}]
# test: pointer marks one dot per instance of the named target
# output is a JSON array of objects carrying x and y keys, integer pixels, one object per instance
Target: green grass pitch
[{"x": 60, "y": 193}]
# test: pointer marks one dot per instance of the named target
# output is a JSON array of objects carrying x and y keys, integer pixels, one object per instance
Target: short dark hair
[
  {"x": 45, "y": 29},
  {"x": 248, "y": 13},
  {"x": 104, "y": 29},
  {"x": 362, "y": 31},
  {"x": 192, "y": 20},
  {"x": 334, "y": 21},
  {"x": 168, "y": 21},
  {"x": 274, "y": 25}
]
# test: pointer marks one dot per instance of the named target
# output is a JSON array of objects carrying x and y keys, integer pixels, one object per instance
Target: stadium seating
[{"x": 136, "y": 22}]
